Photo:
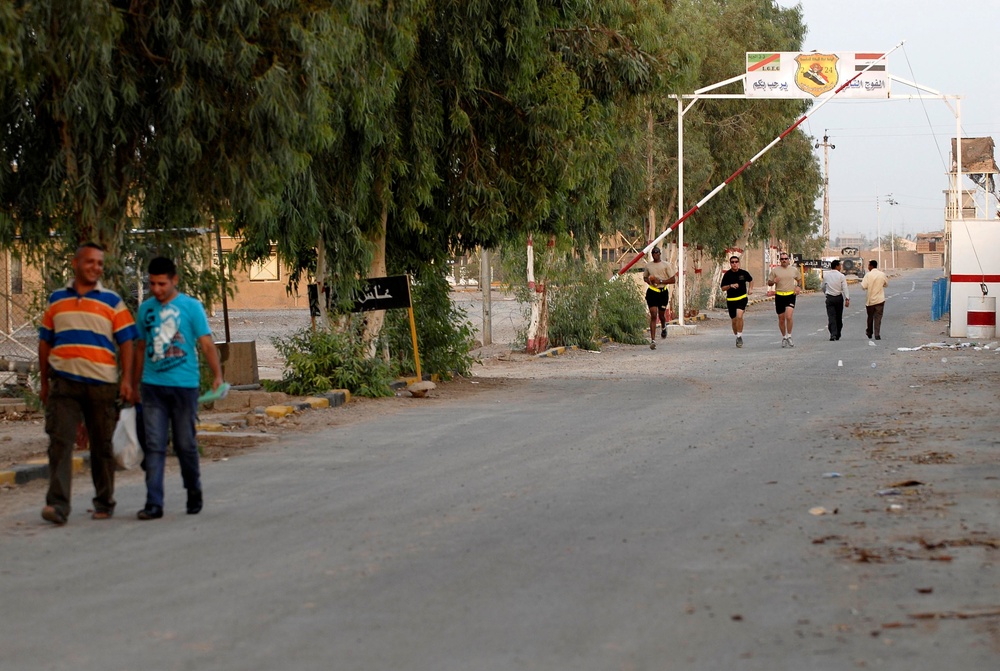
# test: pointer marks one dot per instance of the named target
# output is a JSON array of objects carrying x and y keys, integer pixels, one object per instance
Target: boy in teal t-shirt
[{"x": 172, "y": 328}]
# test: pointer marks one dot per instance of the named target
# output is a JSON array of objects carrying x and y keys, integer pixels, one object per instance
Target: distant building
[
  {"x": 930, "y": 246},
  {"x": 851, "y": 240}
]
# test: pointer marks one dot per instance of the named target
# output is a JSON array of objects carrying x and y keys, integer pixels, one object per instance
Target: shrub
[
  {"x": 814, "y": 280},
  {"x": 585, "y": 306},
  {"x": 444, "y": 333},
  {"x": 321, "y": 360},
  {"x": 621, "y": 312}
]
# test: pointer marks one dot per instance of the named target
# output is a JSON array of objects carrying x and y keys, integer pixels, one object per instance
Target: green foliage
[
  {"x": 814, "y": 280},
  {"x": 583, "y": 305},
  {"x": 621, "y": 312},
  {"x": 444, "y": 334},
  {"x": 572, "y": 299},
  {"x": 163, "y": 116},
  {"x": 775, "y": 197},
  {"x": 321, "y": 360},
  {"x": 699, "y": 299},
  {"x": 296, "y": 123}
]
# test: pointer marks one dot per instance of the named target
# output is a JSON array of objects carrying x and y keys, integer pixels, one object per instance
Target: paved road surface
[{"x": 657, "y": 519}]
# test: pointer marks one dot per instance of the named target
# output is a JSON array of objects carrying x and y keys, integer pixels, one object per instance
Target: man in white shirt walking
[
  {"x": 837, "y": 298},
  {"x": 874, "y": 283}
]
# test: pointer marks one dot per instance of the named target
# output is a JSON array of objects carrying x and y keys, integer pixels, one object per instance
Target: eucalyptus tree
[
  {"x": 776, "y": 196},
  {"x": 156, "y": 114},
  {"x": 530, "y": 117},
  {"x": 466, "y": 124}
]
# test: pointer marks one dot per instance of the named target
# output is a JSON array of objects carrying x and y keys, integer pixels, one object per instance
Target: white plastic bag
[{"x": 125, "y": 441}]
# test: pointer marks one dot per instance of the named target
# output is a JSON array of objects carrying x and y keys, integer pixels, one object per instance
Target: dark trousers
[
  {"x": 835, "y": 315},
  {"x": 69, "y": 403},
  {"x": 874, "y": 320}
]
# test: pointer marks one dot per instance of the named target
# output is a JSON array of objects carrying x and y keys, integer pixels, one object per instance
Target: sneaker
[
  {"x": 784, "y": 343},
  {"x": 194, "y": 502},
  {"x": 790, "y": 343},
  {"x": 652, "y": 344},
  {"x": 54, "y": 515},
  {"x": 663, "y": 332},
  {"x": 739, "y": 341},
  {"x": 150, "y": 513}
]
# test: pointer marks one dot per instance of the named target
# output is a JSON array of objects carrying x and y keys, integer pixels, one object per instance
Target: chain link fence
[{"x": 18, "y": 337}]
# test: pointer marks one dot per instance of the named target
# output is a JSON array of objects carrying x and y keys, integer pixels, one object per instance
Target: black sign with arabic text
[
  {"x": 813, "y": 263},
  {"x": 383, "y": 293},
  {"x": 378, "y": 293}
]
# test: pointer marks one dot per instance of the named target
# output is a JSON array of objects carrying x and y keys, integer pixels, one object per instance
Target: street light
[{"x": 878, "y": 226}]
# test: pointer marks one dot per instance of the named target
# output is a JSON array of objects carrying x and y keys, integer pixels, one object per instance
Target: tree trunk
[
  {"x": 542, "y": 333},
  {"x": 321, "y": 281},
  {"x": 374, "y": 320},
  {"x": 534, "y": 298}
]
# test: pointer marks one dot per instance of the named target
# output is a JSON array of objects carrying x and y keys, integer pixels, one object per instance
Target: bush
[
  {"x": 444, "y": 333},
  {"x": 814, "y": 280},
  {"x": 585, "y": 306},
  {"x": 322, "y": 360},
  {"x": 621, "y": 312}
]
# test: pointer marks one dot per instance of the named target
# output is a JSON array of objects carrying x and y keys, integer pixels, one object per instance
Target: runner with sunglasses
[{"x": 737, "y": 283}]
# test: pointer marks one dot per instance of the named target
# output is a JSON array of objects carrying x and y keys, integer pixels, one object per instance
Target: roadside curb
[
  {"x": 766, "y": 299},
  {"x": 556, "y": 351},
  {"x": 39, "y": 470},
  {"x": 700, "y": 317}
]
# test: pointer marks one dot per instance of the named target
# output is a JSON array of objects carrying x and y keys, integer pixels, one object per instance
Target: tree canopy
[
  {"x": 369, "y": 129},
  {"x": 774, "y": 198}
]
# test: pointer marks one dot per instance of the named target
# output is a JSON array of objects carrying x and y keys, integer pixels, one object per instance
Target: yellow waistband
[
  {"x": 656, "y": 289},
  {"x": 785, "y": 293},
  {"x": 738, "y": 298}
]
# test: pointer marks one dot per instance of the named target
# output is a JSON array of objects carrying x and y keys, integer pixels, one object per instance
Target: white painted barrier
[{"x": 982, "y": 317}]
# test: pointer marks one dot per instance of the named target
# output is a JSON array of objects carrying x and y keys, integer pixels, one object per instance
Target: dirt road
[{"x": 829, "y": 506}]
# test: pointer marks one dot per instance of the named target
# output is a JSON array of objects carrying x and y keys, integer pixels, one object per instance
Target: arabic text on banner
[{"x": 792, "y": 74}]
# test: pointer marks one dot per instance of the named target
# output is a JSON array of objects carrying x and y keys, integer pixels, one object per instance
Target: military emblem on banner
[{"x": 816, "y": 73}]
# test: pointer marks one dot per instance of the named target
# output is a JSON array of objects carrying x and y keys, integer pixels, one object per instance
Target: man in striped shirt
[{"x": 81, "y": 329}]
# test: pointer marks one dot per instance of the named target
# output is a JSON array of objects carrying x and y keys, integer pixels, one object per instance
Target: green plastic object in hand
[{"x": 215, "y": 394}]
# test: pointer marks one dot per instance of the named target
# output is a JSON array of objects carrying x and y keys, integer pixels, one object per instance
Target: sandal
[
  {"x": 54, "y": 515},
  {"x": 101, "y": 515}
]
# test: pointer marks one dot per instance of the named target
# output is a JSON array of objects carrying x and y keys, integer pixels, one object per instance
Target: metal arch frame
[{"x": 703, "y": 94}]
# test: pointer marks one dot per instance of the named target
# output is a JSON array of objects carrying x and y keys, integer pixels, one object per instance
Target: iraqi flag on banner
[{"x": 863, "y": 60}]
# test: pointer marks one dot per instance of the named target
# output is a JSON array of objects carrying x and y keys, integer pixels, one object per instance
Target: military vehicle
[{"x": 851, "y": 263}]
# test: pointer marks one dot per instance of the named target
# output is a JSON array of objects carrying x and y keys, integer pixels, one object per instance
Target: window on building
[{"x": 267, "y": 270}]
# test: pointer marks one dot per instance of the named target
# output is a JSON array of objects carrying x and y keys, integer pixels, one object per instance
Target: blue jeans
[{"x": 176, "y": 409}]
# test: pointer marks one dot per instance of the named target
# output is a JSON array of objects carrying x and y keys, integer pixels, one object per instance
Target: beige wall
[
  {"x": 16, "y": 309},
  {"x": 261, "y": 287}
]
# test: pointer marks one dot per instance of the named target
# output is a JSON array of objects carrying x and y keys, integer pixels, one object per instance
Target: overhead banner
[{"x": 794, "y": 74}]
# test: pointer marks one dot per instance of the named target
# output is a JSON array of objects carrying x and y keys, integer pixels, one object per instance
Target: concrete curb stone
[{"x": 24, "y": 473}]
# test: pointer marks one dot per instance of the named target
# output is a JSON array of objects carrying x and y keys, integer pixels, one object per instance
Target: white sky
[{"x": 903, "y": 147}]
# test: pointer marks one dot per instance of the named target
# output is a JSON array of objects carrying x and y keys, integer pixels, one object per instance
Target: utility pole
[
  {"x": 892, "y": 229},
  {"x": 826, "y": 184},
  {"x": 486, "y": 284}
]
